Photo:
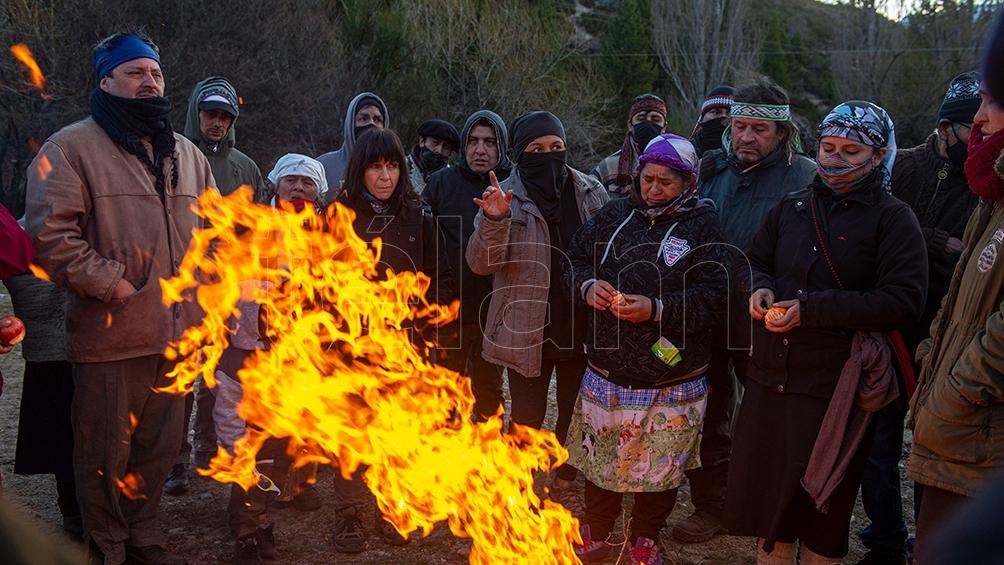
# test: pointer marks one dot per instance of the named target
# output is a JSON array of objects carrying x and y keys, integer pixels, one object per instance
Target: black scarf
[
  {"x": 543, "y": 175},
  {"x": 129, "y": 120}
]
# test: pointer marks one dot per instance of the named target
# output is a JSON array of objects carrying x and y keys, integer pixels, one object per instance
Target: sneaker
[
  {"x": 569, "y": 495},
  {"x": 264, "y": 538},
  {"x": 177, "y": 480},
  {"x": 308, "y": 499},
  {"x": 388, "y": 533},
  {"x": 645, "y": 552},
  {"x": 349, "y": 536},
  {"x": 700, "y": 526},
  {"x": 152, "y": 555},
  {"x": 591, "y": 550},
  {"x": 246, "y": 550}
]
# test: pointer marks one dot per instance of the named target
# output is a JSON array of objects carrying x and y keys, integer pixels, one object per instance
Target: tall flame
[
  {"x": 342, "y": 380},
  {"x": 23, "y": 54}
]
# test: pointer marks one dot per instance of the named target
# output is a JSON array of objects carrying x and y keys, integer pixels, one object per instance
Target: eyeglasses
[{"x": 264, "y": 483}]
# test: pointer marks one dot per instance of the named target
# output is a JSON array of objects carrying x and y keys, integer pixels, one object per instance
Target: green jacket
[
  {"x": 231, "y": 168},
  {"x": 957, "y": 412}
]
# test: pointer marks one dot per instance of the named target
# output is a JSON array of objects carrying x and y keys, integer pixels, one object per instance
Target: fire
[
  {"x": 44, "y": 167},
  {"x": 133, "y": 422},
  {"x": 342, "y": 380},
  {"x": 39, "y": 272},
  {"x": 23, "y": 54},
  {"x": 132, "y": 486}
]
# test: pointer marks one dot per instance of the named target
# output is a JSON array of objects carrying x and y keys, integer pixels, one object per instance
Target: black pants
[
  {"x": 249, "y": 510},
  {"x": 529, "y": 398},
  {"x": 708, "y": 482},
  {"x": 648, "y": 515},
  {"x": 880, "y": 489},
  {"x": 486, "y": 379}
]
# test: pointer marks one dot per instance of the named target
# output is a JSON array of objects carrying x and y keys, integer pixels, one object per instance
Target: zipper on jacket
[{"x": 942, "y": 175}]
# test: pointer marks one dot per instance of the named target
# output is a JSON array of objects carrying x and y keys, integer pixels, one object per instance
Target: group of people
[{"x": 677, "y": 277}]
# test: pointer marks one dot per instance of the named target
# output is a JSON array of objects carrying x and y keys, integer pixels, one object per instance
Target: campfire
[{"x": 343, "y": 381}]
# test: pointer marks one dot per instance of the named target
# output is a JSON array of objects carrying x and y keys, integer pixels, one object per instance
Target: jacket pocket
[{"x": 951, "y": 426}]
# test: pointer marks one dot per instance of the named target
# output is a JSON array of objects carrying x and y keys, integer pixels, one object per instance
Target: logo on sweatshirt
[{"x": 674, "y": 249}]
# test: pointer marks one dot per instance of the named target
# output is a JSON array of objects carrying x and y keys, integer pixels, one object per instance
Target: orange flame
[
  {"x": 23, "y": 54},
  {"x": 133, "y": 422},
  {"x": 342, "y": 380},
  {"x": 132, "y": 486},
  {"x": 39, "y": 272},
  {"x": 44, "y": 167}
]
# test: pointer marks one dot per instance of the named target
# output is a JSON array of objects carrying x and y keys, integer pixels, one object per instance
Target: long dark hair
[{"x": 374, "y": 146}]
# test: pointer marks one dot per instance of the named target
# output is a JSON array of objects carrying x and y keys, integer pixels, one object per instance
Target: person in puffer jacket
[{"x": 653, "y": 268}]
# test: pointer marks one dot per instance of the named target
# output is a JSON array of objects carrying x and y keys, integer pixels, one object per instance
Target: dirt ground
[{"x": 195, "y": 523}]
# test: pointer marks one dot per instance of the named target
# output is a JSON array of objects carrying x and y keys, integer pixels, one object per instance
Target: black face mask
[
  {"x": 543, "y": 175},
  {"x": 709, "y": 137},
  {"x": 360, "y": 130},
  {"x": 644, "y": 132},
  {"x": 957, "y": 153},
  {"x": 431, "y": 161}
]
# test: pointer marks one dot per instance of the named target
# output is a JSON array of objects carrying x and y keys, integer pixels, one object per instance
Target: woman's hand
[
  {"x": 599, "y": 294},
  {"x": 791, "y": 319},
  {"x": 760, "y": 302},
  {"x": 636, "y": 308},
  {"x": 494, "y": 201}
]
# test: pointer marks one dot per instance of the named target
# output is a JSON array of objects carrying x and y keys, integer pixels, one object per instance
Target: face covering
[
  {"x": 644, "y": 132},
  {"x": 543, "y": 174},
  {"x": 837, "y": 173},
  {"x": 981, "y": 170},
  {"x": 957, "y": 154},
  {"x": 363, "y": 129},
  {"x": 431, "y": 161},
  {"x": 709, "y": 137}
]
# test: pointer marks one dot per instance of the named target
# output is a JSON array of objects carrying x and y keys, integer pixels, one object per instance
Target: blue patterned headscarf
[{"x": 865, "y": 123}]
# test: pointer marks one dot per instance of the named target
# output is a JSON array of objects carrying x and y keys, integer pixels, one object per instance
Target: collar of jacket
[
  {"x": 778, "y": 156},
  {"x": 868, "y": 195},
  {"x": 935, "y": 160},
  {"x": 222, "y": 149}
]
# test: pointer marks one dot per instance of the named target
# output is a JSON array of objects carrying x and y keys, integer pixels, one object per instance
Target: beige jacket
[
  {"x": 516, "y": 250},
  {"x": 96, "y": 218}
]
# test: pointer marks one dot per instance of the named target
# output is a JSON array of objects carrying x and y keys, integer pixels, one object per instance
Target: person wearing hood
[
  {"x": 213, "y": 109},
  {"x": 377, "y": 188},
  {"x": 931, "y": 180},
  {"x": 707, "y": 134},
  {"x": 837, "y": 267},
  {"x": 366, "y": 111},
  {"x": 652, "y": 269},
  {"x": 450, "y": 195},
  {"x": 534, "y": 327},
  {"x": 646, "y": 119},
  {"x": 757, "y": 166},
  {"x": 437, "y": 141},
  {"x": 111, "y": 215}
]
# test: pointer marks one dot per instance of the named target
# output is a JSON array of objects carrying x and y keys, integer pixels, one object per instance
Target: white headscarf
[{"x": 300, "y": 165}]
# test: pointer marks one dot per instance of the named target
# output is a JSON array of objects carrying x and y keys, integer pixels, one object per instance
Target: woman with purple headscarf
[{"x": 651, "y": 268}]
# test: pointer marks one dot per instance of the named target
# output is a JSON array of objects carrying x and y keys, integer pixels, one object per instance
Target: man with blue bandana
[{"x": 110, "y": 208}]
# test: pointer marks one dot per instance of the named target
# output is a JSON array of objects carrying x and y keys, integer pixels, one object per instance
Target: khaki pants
[{"x": 107, "y": 448}]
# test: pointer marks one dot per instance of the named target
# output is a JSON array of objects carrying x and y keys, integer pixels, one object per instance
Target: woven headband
[
  {"x": 777, "y": 113},
  {"x": 716, "y": 102}
]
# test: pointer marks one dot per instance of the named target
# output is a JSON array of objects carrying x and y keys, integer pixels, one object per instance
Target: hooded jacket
[
  {"x": 231, "y": 168},
  {"x": 450, "y": 194},
  {"x": 337, "y": 162}
]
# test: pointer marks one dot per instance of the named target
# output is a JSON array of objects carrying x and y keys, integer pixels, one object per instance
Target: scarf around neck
[
  {"x": 981, "y": 170},
  {"x": 128, "y": 121}
]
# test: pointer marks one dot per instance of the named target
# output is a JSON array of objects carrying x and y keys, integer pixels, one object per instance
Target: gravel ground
[{"x": 196, "y": 522}]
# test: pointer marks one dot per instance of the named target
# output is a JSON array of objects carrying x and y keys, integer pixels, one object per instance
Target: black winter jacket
[
  {"x": 937, "y": 192},
  {"x": 685, "y": 269},
  {"x": 878, "y": 251}
]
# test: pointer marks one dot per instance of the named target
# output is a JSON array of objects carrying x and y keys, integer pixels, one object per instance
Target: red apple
[{"x": 11, "y": 331}]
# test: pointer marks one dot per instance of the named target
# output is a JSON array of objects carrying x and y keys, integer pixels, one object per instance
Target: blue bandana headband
[
  {"x": 865, "y": 123},
  {"x": 127, "y": 48}
]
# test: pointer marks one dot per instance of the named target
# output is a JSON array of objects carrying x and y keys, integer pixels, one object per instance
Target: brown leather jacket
[{"x": 95, "y": 218}]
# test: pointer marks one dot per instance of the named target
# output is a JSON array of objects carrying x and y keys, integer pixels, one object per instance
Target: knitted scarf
[
  {"x": 981, "y": 171},
  {"x": 128, "y": 121}
]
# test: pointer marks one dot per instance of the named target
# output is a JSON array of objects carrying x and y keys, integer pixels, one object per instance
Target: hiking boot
[
  {"x": 264, "y": 538},
  {"x": 349, "y": 536},
  {"x": 388, "y": 533},
  {"x": 591, "y": 550},
  {"x": 177, "y": 480},
  {"x": 152, "y": 555},
  {"x": 700, "y": 526},
  {"x": 308, "y": 499},
  {"x": 567, "y": 494},
  {"x": 645, "y": 552}
]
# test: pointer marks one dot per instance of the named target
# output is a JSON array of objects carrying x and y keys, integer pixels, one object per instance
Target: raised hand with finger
[{"x": 495, "y": 201}]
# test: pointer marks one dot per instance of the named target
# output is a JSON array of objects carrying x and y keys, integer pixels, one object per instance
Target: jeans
[{"x": 880, "y": 491}]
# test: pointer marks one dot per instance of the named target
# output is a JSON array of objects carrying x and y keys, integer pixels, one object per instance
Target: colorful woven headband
[
  {"x": 777, "y": 113},
  {"x": 716, "y": 102}
]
